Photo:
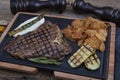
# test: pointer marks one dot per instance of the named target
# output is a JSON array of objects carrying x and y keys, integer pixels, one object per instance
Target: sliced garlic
[{"x": 32, "y": 28}]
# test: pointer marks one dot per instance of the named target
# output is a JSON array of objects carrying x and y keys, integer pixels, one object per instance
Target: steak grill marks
[{"x": 39, "y": 43}]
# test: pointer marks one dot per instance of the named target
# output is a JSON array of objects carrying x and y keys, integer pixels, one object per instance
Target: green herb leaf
[{"x": 44, "y": 60}]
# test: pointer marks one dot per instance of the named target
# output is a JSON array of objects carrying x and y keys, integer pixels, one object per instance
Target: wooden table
[{"x": 44, "y": 75}]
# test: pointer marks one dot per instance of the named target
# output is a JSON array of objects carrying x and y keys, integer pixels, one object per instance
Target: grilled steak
[{"x": 45, "y": 41}]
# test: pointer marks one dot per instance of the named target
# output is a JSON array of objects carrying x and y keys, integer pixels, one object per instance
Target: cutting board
[{"x": 58, "y": 74}]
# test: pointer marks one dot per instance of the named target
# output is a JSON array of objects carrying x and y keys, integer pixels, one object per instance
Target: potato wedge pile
[{"x": 91, "y": 31}]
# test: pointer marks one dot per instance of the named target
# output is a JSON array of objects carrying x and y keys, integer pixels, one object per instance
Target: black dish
[{"x": 101, "y": 73}]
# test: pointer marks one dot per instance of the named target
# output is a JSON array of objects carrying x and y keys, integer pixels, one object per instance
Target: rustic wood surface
[{"x": 44, "y": 75}]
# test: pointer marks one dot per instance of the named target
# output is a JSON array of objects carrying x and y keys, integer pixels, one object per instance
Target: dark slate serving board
[{"x": 101, "y": 73}]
